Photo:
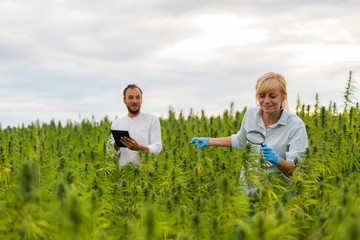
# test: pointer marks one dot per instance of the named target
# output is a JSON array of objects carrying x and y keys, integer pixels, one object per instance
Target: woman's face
[{"x": 271, "y": 102}]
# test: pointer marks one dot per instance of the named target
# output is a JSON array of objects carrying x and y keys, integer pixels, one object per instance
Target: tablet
[{"x": 117, "y": 134}]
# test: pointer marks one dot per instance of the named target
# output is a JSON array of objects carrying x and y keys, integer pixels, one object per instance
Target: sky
[{"x": 71, "y": 59}]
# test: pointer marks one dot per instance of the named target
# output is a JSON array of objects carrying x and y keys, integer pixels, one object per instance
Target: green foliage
[
  {"x": 60, "y": 182},
  {"x": 349, "y": 91}
]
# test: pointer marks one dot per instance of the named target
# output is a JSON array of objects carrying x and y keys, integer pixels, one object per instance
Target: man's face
[{"x": 133, "y": 100}]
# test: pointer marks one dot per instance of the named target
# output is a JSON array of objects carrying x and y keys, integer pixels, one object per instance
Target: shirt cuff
[
  {"x": 153, "y": 149},
  {"x": 290, "y": 156},
  {"x": 235, "y": 142}
]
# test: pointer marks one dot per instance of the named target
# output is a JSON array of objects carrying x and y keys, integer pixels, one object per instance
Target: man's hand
[{"x": 132, "y": 144}]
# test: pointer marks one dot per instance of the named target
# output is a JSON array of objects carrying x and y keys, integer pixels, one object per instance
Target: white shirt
[{"x": 145, "y": 129}]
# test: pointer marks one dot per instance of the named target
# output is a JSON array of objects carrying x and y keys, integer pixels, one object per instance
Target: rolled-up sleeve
[
  {"x": 298, "y": 144},
  {"x": 155, "y": 145},
  {"x": 238, "y": 140}
]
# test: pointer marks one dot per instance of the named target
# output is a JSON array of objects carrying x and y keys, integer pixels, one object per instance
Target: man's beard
[{"x": 133, "y": 111}]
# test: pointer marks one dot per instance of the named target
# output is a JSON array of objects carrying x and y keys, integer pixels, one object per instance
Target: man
[{"x": 144, "y": 129}]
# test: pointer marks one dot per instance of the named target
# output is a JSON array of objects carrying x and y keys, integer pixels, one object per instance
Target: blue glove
[
  {"x": 270, "y": 155},
  {"x": 203, "y": 142}
]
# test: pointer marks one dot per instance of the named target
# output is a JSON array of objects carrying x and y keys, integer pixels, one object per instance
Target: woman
[{"x": 285, "y": 133}]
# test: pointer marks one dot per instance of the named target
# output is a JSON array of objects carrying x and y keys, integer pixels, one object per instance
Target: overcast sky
[{"x": 71, "y": 59}]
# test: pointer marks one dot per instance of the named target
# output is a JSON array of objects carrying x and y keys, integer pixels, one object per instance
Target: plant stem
[{"x": 198, "y": 170}]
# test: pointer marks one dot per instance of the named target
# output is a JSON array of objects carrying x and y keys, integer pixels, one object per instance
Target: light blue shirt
[{"x": 287, "y": 137}]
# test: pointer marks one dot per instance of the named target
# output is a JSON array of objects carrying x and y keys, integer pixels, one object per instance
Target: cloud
[{"x": 59, "y": 59}]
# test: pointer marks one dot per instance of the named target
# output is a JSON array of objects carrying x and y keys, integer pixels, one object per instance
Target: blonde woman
[{"x": 285, "y": 133}]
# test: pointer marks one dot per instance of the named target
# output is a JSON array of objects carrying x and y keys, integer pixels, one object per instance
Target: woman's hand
[
  {"x": 200, "y": 142},
  {"x": 270, "y": 155}
]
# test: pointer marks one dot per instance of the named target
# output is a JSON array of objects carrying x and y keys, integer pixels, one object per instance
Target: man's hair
[{"x": 131, "y": 86}]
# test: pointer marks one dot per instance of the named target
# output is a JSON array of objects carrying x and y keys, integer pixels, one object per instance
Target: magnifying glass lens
[{"x": 255, "y": 137}]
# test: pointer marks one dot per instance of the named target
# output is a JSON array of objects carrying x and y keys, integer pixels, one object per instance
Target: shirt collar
[
  {"x": 137, "y": 117},
  {"x": 282, "y": 121},
  {"x": 284, "y": 117}
]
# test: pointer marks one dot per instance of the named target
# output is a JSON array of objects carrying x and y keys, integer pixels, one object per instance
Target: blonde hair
[{"x": 269, "y": 82}]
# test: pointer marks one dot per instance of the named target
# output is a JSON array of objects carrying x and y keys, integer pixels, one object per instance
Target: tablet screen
[{"x": 117, "y": 134}]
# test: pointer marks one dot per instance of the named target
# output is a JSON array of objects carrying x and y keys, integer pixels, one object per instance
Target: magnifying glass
[{"x": 255, "y": 137}]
